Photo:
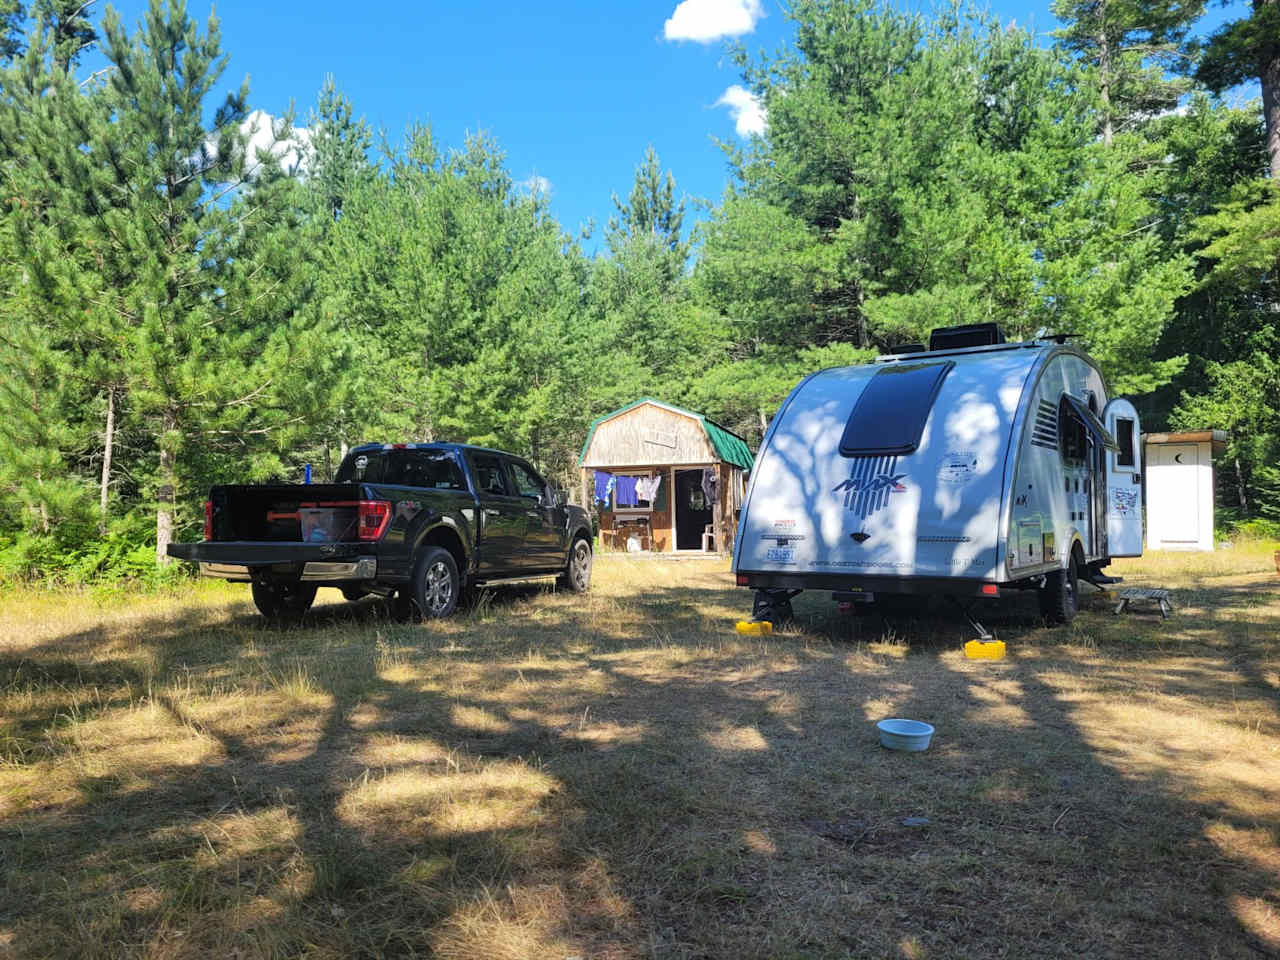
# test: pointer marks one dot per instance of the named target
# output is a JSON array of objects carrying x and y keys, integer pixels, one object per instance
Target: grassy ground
[{"x": 622, "y": 776}]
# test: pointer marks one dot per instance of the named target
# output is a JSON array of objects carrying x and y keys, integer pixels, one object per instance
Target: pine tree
[
  {"x": 1244, "y": 50},
  {"x": 12, "y": 16},
  {"x": 69, "y": 30},
  {"x": 651, "y": 210},
  {"x": 1128, "y": 43}
]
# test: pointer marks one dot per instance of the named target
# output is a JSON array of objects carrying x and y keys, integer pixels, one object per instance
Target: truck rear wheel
[
  {"x": 283, "y": 601},
  {"x": 436, "y": 583},
  {"x": 577, "y": 572},
  {"x": 1060, "y": 593}
]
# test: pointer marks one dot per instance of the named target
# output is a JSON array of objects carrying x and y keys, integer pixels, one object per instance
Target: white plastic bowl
[{"x": 900, "y": 734}]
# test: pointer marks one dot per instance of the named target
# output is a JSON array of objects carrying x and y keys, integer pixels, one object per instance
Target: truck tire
[
  {"x": 436, "y": 584},
  {"x": 577, "y": 571},
  {"x": 1060, "y": 593},
  {"x": 283, "y": 601}
]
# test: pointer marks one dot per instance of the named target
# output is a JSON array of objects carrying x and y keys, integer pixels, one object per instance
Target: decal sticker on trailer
[
  {"x": 958, "y": 468},
  {"x": 870, "y": 483}
]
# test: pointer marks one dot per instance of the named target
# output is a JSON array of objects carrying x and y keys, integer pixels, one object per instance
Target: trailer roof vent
[
  {"x": 968, "y": 335},
  {"x": 889, "y": 417},
  {"x": 902, "y": 348}
]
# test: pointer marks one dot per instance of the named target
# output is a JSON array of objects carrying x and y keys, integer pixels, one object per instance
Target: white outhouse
[{"x": 1180, "y": 488}]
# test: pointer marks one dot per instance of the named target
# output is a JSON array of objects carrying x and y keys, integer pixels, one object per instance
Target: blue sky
[{"x": 573, "y": 91}]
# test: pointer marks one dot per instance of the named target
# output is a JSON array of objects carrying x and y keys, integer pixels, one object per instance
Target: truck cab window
[
  {"x": 362, "y": 466},
  {"x": 490, "y": 477},
  {"x": 528, "y": 483},
  {"x": 435, "y": 469}
]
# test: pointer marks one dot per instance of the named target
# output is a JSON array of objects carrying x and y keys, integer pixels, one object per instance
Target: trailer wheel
[
  {"x": 1059, "y": 595},
  {"x": 283, "y": 601},
  {"x": 436, "y": 583}
]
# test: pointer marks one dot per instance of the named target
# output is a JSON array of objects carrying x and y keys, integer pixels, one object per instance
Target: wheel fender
[{"x": 424, "y": 538}]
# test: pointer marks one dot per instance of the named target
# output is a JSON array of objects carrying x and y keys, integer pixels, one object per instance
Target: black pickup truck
[{"x": 417, "y": 521}]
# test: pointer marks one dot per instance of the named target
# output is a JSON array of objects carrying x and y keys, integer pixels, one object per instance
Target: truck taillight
[
  {"x": 208, "y": 519},
  {"x": 374, "y": 515}
]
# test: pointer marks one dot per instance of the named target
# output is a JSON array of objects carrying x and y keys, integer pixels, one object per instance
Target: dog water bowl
[{"x": 898, "y": 734}]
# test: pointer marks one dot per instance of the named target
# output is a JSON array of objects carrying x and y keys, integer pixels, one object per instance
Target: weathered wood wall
[{"x": 651, "y": 435}]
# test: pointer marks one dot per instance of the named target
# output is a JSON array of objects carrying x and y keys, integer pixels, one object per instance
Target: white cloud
[
  {"x": 706, "y": 20},
  {"x": 746, "y": 109},
  {"x": 538, "y": 185},
  {"x": 266, "y": 133}
]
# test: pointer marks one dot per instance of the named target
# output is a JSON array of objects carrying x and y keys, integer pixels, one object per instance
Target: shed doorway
[{"x": 692, "y": 510}]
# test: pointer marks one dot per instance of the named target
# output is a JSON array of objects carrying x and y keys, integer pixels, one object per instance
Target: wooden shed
[{"x": 698, "y": 467}]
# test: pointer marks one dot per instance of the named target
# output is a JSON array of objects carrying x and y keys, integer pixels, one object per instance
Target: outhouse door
[{"x": 1124, "y": 480}]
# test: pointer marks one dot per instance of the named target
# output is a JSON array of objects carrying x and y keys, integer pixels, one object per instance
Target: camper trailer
[{"x": 966, "y": 470}]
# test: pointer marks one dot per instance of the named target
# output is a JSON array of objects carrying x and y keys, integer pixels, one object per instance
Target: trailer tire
[
  {"x": 1059, "y": 597},
  {"x": 436, "y": 584},
  {"x": 577, "y": 570},
  {"x": 283, "y": 601}
]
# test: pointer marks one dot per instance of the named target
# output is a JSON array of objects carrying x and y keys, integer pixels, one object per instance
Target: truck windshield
[{"x": 890, "y": 415}]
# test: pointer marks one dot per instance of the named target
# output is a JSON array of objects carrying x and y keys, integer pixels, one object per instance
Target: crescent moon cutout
[{"x": 1177, "y": 458}]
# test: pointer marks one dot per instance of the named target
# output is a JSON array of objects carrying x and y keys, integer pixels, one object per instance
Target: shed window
[
  {"x": 890, "y": 415},
  {"x": 1124, "y": 437}
]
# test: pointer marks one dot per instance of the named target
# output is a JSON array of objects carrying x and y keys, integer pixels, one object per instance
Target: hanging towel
[
  {"x": 625, "y": 491},
  {"x": 647, "y": 488},
  {"x": 604, "y": 485},
  {"x": 709, "y": 486}
]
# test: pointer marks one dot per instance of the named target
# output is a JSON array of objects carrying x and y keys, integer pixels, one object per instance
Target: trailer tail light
[
  {"x": 990, "y": 590},
  {"x": 373, "y": 517},
  {"x": 742, "y": 579},
  {"x": 208, "y": 519}
]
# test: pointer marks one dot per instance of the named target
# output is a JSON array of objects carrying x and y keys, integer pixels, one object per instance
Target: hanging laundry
[
  {"x": 709, "y": 485},
  {"x": 647, "y": 488},
  {"x": 604, "y": 485},
  {"x": 624, "y": 494}
]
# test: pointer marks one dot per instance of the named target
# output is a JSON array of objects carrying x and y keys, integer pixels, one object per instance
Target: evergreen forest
[{"x": 180, "y": 306}]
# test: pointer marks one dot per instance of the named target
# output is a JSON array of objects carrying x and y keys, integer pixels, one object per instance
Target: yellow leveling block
[
  {"x": 984, "y": 650},
  {"x": 755, "y": 628}
]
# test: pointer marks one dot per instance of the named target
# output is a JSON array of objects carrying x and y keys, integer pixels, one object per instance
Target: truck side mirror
[{"x": 551, "y": 497}]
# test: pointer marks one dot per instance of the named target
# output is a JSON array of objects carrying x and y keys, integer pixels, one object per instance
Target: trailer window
[
  {"x": 1124, "y": 437},
  {"x": 1073, "y": 442},
  {"x": 890, "y": 415}
]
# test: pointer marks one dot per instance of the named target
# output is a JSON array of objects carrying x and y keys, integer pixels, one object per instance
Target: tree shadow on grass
[{"x": 557, "y": 787}]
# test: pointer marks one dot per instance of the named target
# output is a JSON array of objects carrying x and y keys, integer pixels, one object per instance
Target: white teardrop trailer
[{"x": 965, "y": 470}]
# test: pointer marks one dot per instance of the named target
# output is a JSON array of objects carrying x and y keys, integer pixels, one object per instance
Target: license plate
[{"x": 781, "y": 555}]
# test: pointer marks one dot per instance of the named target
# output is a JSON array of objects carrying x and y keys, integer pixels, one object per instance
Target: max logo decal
[{"x": 871, "y": 481}]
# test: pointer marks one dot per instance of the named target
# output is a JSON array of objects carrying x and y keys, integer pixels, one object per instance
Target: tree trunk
[
  {"x": 1104, "y": 79},
  {"x": 108, "y": 445},
  {"x": 166, "y": 495},
  {"x": 1244, "y": 501},
  {"x": 1270, "y": 80}
]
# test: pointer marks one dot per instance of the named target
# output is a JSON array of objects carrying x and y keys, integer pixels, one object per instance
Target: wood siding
[{"x": 651, "y": 435}]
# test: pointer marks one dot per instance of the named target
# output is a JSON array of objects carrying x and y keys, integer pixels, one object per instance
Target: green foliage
[
  {"x": 1128, "y": 46},
  {"x": 195, "y": 312}
]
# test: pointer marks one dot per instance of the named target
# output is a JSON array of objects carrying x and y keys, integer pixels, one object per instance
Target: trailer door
[{"x": 1124, "y": 481}]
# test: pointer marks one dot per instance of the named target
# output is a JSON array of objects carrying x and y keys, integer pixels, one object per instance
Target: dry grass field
[{"x": 622, "y": 776}]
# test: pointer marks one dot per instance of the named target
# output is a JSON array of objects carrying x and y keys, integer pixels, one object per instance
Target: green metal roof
[{"x": 727, "y": 445}]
